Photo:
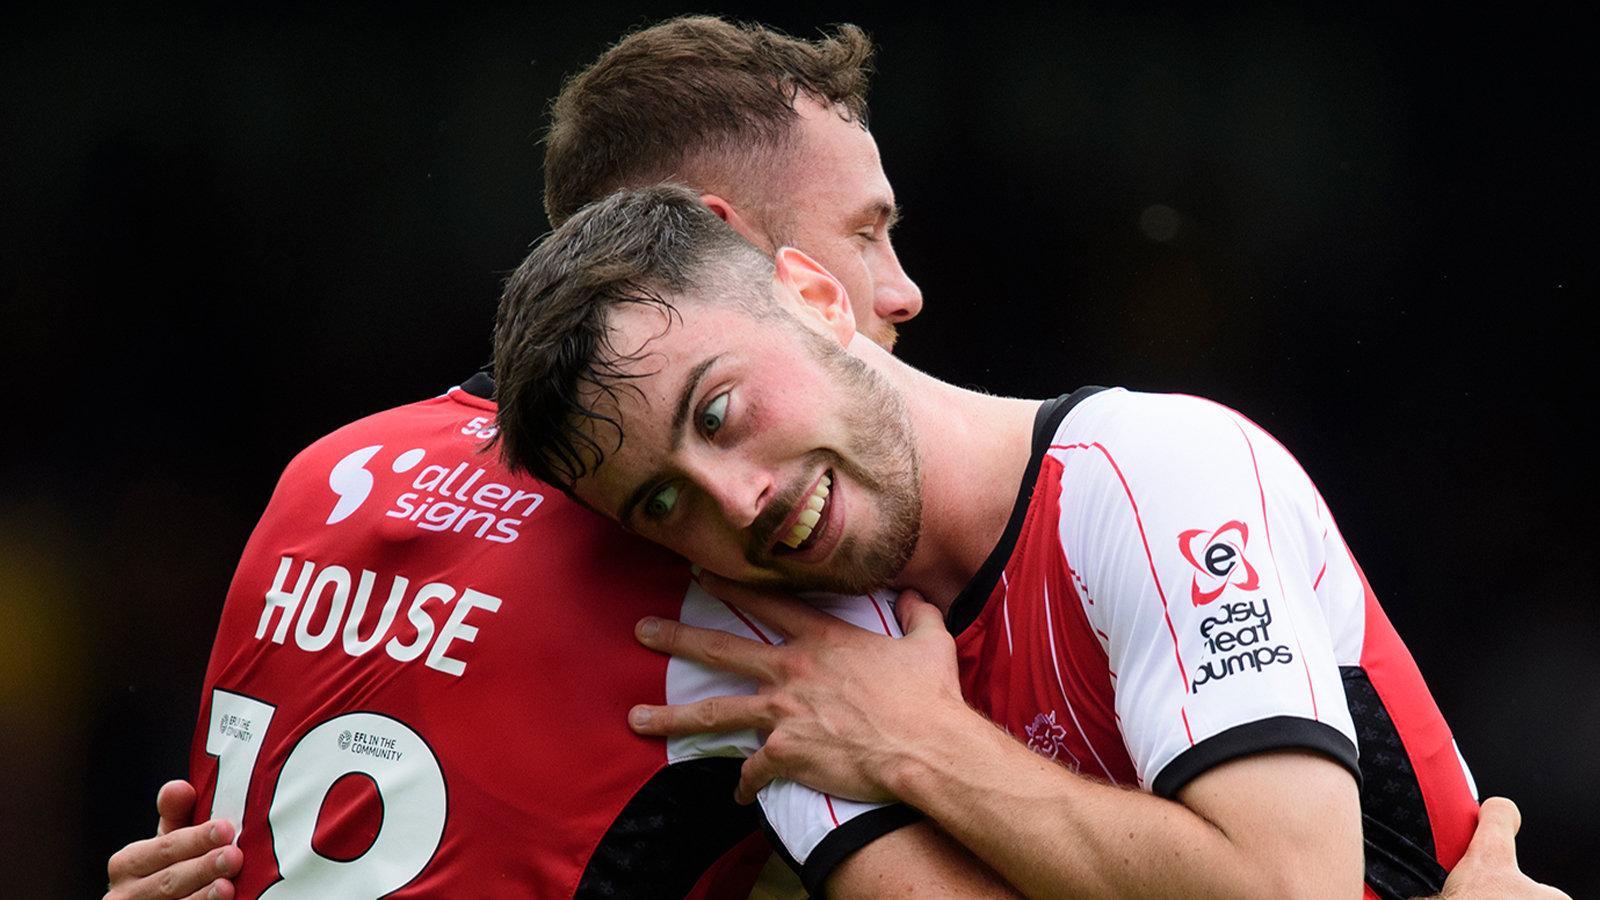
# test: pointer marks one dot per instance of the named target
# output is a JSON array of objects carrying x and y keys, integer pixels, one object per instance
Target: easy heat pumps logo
[{"x": 1218, "y": 560}]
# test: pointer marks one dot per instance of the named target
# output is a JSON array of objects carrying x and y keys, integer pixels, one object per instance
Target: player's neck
[{"x": 974, "y": 451}]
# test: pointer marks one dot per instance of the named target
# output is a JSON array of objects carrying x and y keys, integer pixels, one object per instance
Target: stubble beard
[{"x": 882, "y": 465}]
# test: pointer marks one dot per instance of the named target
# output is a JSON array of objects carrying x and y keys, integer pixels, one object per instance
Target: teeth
[
  {"x": 810, "y": 516},
  {"x": 797, "y": 536}
]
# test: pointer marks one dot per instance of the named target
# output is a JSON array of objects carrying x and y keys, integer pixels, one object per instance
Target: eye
[
  {"x": 711, "y": 417},
  {"x": 661, "y": 503}
]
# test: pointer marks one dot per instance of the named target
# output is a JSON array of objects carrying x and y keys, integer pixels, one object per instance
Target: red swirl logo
[{"x": 1219, "y": 562}]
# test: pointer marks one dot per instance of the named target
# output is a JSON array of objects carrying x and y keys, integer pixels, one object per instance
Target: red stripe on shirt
[{"x": 1166, "y": 615}]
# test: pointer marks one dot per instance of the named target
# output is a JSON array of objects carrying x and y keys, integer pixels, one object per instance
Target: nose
[
  {"x": 739, "y": 489},
  {"x": 895, "y": 297}
]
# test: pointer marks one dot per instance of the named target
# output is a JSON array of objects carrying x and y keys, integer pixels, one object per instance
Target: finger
[
  {"x": 221, "y": 889},
  {"x": 175, "y": 805},
  {"x": 718, "y": 649},
  {"x": 916, "y": 614},
  {"x": 145, "y": 857},
  {"x": 714, "y": 715},
  {"x": 756, "y": 773},
  {"x": 1494, "y": 843},
  {"x": 202, "y": 877},
  {"x": 784, "y": 612},
  {"x": 1503, "y": 813}
]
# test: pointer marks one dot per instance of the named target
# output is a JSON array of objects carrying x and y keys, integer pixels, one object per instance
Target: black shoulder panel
[
  {"x": 1394, "y": 819},
  {"x": 480, "y": 385},
  {"x": 681, "y": 822}
]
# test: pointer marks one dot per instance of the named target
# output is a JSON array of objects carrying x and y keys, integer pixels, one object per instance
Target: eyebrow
[{"x": 680, "y": 418}]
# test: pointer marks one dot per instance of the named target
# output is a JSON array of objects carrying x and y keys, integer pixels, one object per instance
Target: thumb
[
  {"x": 1495, "y": 840},
  {"x": 175, "y": 805},
  {"x": 916, "y": 614}
]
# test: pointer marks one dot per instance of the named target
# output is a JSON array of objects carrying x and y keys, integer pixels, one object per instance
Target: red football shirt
[
  {"x": 420, "y": 682},
  {"x": 1172, "y": 593}
]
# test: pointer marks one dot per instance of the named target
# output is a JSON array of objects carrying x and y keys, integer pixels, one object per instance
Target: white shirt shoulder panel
[{"x": 1196, "y": 541}]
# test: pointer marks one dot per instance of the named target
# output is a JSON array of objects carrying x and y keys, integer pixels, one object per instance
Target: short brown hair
[
  {"x": 663, "y": 99},
  {"x": 553, "y": 359}
]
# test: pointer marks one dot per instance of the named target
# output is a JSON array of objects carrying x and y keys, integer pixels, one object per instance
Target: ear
[
  {"x": 738, "y": 221},
  {"x": 823, "y": 300}
]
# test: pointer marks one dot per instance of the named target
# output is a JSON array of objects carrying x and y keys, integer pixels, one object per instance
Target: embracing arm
[
  {"x": 870, "y": 717},
  {"x": 1283, "y": 824},
  {"x": 193, "y": 862}
]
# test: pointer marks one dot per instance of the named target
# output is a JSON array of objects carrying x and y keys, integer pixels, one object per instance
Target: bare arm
[
  {"x": 860, "y": 715},
  {"x": 919, "y": 860},
  {"x": 179, "y": 863}
]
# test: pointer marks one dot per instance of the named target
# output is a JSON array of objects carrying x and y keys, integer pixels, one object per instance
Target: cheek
[
  {"x": 792, "y": 423},
  {"x": 698, "y": 541},
  {"x": 851, "y": 264},
  {"x": 859, "y": 284}
]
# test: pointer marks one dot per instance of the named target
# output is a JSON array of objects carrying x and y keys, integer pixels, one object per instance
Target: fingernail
[
  {"x": 215, "y": 837},
  {"x": 638, "y": 717},
  {"x": 222, "y": 862},
  {"x": 212, "y": 894},
  {"x": 695, "y": 570},
  {"x": 648, "y": 627}
]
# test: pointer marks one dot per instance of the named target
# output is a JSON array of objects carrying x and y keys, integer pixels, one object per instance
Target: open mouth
[{"x": 808, "y": 525}]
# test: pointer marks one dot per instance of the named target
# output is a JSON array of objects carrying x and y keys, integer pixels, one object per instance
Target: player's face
[
  {"x": 841, "y": 210},
  {"x": 758, "y": 448}
]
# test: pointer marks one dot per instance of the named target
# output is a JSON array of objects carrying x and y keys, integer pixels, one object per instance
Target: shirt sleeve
[
  {"x": 814, "y": 831},
  {"x": 1196, "y": 541}
]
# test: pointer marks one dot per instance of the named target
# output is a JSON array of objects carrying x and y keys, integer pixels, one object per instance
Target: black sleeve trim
[
  {"x": 1276, "y": 733},
  {"x": 843, "y": 841}
]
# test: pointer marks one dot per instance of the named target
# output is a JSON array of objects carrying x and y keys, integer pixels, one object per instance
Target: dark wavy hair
[
  {"x": 698, "y": 100},
  {"x": 554, "y": 362}
]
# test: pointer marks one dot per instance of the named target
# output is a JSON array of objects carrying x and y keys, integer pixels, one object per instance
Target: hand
[
  {"x": 191, "y": 863},
  {"x": 842, "y": 707},
  {"x": 1489, "y": 868}
]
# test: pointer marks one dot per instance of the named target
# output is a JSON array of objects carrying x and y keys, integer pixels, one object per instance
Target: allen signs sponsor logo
[
  {"x": 1218, "y": 560},
  {"x": 458, "y": 497}
]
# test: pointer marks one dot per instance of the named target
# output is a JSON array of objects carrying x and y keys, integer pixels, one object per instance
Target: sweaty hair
[
  {"x": 554, "y": 362},
  {"x": 697, "y": 100}
]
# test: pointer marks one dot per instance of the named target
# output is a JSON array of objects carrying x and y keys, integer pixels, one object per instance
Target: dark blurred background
[{"x": 230, "y": 228}]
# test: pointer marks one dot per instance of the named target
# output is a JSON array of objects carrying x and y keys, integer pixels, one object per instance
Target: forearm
[{"x": 1052, "y": 833}]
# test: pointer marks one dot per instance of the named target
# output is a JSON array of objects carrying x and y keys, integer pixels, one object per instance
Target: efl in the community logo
[{"x": 1218, "y": 560}]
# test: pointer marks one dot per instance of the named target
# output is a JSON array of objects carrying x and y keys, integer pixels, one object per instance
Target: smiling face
[{"x": 757, "y": 447}]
